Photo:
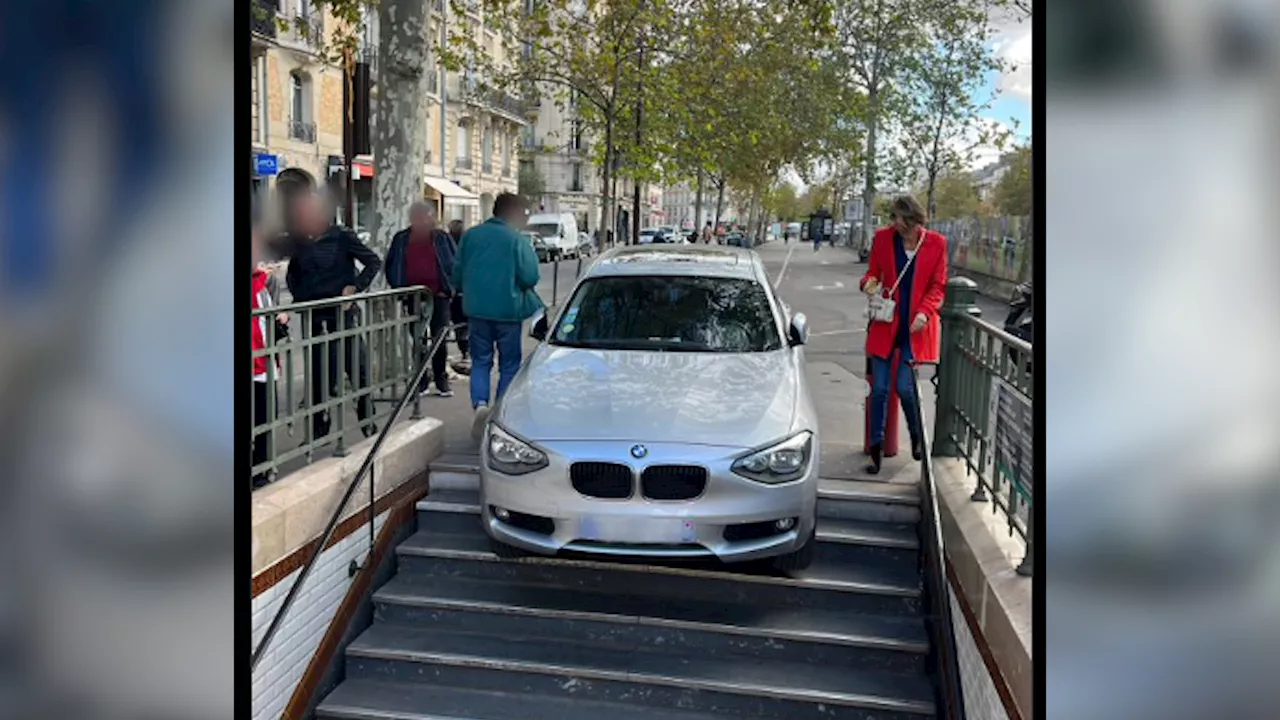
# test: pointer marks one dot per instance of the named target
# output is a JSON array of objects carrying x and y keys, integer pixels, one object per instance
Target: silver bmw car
[{"x": 664, "y": 414}]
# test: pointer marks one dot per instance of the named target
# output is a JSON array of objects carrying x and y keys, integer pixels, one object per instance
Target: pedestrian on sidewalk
[
  {"x": 908, "y": 265},
  {"x": 322, "y": 266},
  {"x": 456, "y": 312},
  {"x": 422, "y": 254},
  {"x": 264, "y": 388},
  {"x": 497, "y": 273}
]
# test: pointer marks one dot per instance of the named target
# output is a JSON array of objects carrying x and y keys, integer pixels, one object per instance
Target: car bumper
[{"x": 546, "y": 515}]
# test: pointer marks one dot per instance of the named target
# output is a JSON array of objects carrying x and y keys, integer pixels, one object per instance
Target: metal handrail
[
  {"x": 933, "y": 566},
  {"x": 365, "y": 467}
]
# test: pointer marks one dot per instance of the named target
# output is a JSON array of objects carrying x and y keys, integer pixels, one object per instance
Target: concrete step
[
  {"x": 378, "y": 700},
  {"x": 455, "y": 472},
  {"x": 607, "y": 669},
  {"x": 706, "y": 628},
  {"x": 879, "y": 588},
  {"x": 883, "y": 502}
]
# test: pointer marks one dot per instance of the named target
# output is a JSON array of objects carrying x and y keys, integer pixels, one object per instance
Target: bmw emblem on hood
[{"x": 639, "y": 451}]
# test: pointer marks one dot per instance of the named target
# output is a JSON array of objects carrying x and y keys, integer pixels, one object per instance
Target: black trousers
[
  {"x": 260, "y": 392},
  {"x": 436, "y": 325},
  {"x": 354, "y": 362},
  {"x": 457, "y": 315}
]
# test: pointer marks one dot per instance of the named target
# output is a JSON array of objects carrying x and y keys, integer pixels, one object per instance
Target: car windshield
[
  {"x": 543, "y": 229},
  {"x": 671, "y": 314}
]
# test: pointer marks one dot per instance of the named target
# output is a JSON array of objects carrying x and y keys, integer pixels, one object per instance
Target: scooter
[{"x": 1020, "y": 322}]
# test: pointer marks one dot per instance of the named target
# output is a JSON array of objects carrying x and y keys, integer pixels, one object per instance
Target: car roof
[{"x": 702, "y": 260}]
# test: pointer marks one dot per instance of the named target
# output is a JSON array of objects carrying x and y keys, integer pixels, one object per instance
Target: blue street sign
[{"x": 264, "y": 164}]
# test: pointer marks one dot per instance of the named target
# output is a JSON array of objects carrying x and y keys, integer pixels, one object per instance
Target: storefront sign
[{"x": 265, "y": 164}]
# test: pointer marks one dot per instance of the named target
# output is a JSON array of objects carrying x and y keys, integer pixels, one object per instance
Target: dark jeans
[
  {"x": 354, "y": 363},
  {"x": 261, "y": 390},
  {"x": 485, "y": 336},
  {"x": 437, "y": 321},
  {"x": 881, "y": 370},
  {"x": 457, "y": 315}
]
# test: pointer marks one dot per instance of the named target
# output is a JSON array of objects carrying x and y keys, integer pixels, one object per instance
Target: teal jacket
[{"x": 496, "y": 271}]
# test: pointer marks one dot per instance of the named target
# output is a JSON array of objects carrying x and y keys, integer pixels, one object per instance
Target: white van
[{"x": 558, "y": 233}]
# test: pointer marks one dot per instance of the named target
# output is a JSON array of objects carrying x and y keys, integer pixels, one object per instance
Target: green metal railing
[
  {"x": 361, "y": 350},
  {"x": 984, "y": 410}
]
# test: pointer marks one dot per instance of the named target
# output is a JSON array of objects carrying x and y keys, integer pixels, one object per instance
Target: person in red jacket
[
  {"x": 263, "y": 374},
  {"x": 908, "y": 264}
]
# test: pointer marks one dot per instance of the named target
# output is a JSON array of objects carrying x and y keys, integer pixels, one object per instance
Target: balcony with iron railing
[
  {"x": 302, "y": 130},
  {"x": 263, "y": 19},
  {"x": 305, "y": 32}
]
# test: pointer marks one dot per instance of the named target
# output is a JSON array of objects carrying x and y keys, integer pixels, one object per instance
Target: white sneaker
[
  {"x": 479, "y": 421},
  {"x": 445, "y": 393}
]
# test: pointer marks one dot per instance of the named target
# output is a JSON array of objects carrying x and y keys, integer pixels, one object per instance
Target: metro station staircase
[{"x": 460, "y": 634}]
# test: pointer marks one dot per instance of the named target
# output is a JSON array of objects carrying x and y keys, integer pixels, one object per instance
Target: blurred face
[
  {"x": 310, "y": 215},
  {"x": 422, "y": 220},
  {"x": 517, "y": 217},
  {"x": 906, "y": 228},
  {"x": 455, "y": 228},
  {"x": 255, "y": 252}
]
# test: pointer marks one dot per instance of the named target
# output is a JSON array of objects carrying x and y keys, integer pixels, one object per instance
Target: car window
[{"x": 669, "y": 313}]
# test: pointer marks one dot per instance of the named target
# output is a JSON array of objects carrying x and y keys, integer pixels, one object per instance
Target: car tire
[
  {"x": 799, "y": 559},
  {"x": 505, "y": 551}
]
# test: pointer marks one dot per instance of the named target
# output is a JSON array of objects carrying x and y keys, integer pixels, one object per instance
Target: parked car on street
[
  {"x": 647, "y": 236},
  {"x": 665, "y": 414}
]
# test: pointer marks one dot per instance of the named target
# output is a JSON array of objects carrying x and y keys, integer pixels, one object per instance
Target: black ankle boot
[
  {"x": 917, "y": 448},
  {"x": 877, "y": 454}
]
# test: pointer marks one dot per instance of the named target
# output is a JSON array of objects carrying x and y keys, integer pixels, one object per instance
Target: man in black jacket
[{"x": 322, "y": 266}]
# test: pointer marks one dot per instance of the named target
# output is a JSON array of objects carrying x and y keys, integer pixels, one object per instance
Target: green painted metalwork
[
  {"x": 390, "y": 324},
  {"x": 986, "y": 370}
]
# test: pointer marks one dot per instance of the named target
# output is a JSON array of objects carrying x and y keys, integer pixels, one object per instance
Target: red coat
[
  {"x": 928, "y": 288},
  {"x": 261, "y": 299}
]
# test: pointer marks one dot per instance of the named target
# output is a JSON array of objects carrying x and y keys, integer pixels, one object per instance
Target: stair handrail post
[{"x": 958, "y": 306}]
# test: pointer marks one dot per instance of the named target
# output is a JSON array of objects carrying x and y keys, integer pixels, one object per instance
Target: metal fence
[
  {"x": 1001, "y": 247},
  {"x": 984, "y": 410},
  {"x": 328, "y": 355}
]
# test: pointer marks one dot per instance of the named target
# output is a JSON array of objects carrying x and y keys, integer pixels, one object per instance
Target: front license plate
[{"x": 641, "y": 531}]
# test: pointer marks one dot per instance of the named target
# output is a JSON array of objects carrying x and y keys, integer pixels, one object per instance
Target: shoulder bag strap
[{"x": 906, "y": 267}]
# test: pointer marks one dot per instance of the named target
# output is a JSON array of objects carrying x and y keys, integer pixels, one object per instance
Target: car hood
[{"x": 733, "y": 400}]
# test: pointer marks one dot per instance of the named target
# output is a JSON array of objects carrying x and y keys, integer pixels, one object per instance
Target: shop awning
[{"x": 452, "y": 192}]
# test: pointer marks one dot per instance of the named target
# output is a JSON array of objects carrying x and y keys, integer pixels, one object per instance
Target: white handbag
[{"x": 881, "y": 308}]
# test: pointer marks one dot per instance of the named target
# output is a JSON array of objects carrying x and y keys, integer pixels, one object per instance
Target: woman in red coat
[{"x": 908, "y": 263}]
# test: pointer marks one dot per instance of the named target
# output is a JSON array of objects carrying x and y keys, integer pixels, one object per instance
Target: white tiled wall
[
  {"x": 282, "y": 667},
  {"x": 981, "y": 701}
]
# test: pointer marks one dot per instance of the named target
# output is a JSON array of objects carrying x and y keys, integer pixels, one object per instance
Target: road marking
[
  {"x": 783, "y": 271},
  {"x": 837, "y": 286}
]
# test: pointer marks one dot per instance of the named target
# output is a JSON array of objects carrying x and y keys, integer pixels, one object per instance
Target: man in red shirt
[{"x": 422, "y": 254}]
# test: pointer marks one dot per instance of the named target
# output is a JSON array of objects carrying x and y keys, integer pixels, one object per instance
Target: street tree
[
  {"x": 583, "y": 55},
  {"x": 953, "y": 196},
  {"x": 876, "y": 41},
  {"x": 1013, "y": 191},
  {"x": 529, "y": 182},
  {"x": 940, "y": 124}
]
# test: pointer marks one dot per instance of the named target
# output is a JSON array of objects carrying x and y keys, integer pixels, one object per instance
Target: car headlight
[
  {"x": 512, "y": 456},
  {"x": 780, "y": 463}
]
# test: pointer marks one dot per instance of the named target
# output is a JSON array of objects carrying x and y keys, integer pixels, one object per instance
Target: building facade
[
  {"x": 679, "y": 204},
  {"x": 298, "y": 104},
  {"x": 560, "y": 152}
]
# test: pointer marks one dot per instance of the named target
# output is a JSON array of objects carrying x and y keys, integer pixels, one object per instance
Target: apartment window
[
  {"x": 486, "y": 148},
  {"x": 575, "y": 184},
  {"x": 527, "y": 137},
  {"x": 506, "y": 154},
  {"x": 301, "y": 126},
  {"x": 577, "y": 136}
]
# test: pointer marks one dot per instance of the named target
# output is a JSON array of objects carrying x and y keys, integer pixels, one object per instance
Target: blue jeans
[
  {"x": 485, "y": 336},
  {"x": 881, "y": 369}
]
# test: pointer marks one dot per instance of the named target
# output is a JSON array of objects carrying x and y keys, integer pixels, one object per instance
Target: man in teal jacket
[{"x": 496, "y": 271}]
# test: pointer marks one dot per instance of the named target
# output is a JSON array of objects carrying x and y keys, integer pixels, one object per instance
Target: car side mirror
[
  {"x": 799, "y": 329},
  {"x": 538, "y": 330}
]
